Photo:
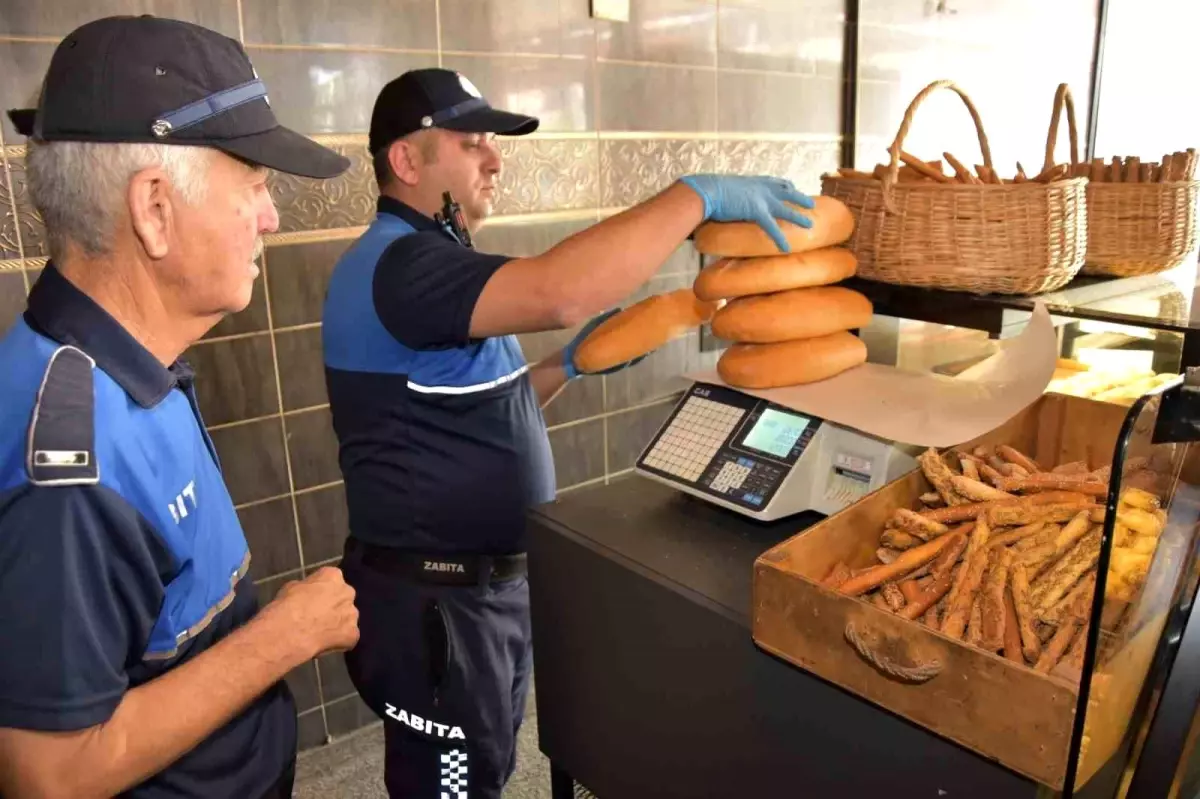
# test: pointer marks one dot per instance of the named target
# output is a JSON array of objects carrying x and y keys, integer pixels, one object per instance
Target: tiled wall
[
  {"x": 751, "y": 86},
  {"x": 685, "y": 86}
]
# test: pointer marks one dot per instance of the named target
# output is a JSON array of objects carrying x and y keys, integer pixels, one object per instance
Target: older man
[
  {"x": 134, "y": 660},
  {"x": 443, "y": 444}
]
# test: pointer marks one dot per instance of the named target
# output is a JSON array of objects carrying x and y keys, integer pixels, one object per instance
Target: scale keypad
[{"x": 694, "y": 436}]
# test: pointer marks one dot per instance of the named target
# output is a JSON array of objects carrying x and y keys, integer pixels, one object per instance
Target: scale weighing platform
[{"x": 765, "y": 460}]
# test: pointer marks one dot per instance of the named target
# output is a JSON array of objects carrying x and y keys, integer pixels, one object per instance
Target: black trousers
[
  {"x": 447, "y": 668},
  {"x": 282, "y": 789}
]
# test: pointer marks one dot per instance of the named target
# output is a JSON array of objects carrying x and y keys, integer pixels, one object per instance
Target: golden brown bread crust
[
  {"x": 740, "y": 277},
  {"x": 787, "y": 315},
  {"x": 790, "y": 363},
  {"x": 641, "y": 328},
  {"x": 832, "y": 224}
]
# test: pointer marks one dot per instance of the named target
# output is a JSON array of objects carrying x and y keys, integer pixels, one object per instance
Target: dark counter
[{"x": 649, "y": 683}]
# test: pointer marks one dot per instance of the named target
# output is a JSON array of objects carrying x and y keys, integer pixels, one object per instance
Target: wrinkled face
[
  {"x": 211, "y": 267},
  {"x": 468, "y": 166}
]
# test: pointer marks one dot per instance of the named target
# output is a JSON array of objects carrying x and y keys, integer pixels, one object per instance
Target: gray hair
[{"x": 79, "y": 187}]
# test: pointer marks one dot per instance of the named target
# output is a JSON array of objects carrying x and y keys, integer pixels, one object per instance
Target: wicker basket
[
  {"x": 1017, "y": 238},
  {"x": 1133, "y": 228}
]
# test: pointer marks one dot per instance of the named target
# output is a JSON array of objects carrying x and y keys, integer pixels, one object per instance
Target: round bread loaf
[
  {"x": 832, "y": 223},
  {"x": 641, "y": 328},
  {"x": 787, "y": 315},
  {"x": 791, "y": 363},
  {"x": 738, "y": 277}
]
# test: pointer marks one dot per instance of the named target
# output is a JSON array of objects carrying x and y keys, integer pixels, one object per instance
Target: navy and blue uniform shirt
[
  {"x": 442, "y": 442},
  {"x": 121, "y": 556}
]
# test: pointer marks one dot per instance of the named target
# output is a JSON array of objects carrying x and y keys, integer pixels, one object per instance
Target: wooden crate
[{"x": 1000, "y": 709}]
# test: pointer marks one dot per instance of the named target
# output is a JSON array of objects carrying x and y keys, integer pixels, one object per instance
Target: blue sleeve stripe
[
  {"x": 207, "y": 618},
  {"x": 473, "y": 389}
]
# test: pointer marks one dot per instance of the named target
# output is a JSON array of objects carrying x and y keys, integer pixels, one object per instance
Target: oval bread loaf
[
  {"x": 640, "y": 328},
  {"x": 832, "y": 223},
  {"x": 738, "y": 277},
  {"x": 791, "y": 363},
  {"x": 787, "y": 315}
]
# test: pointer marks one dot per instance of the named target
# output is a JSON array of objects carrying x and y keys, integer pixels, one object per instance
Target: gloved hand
[
  {"x": 569, "y": 350},
  {"x": 742, "y": 198}
]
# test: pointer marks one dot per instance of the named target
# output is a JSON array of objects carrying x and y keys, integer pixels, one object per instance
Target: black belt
[{"x": 439, "y": 569}]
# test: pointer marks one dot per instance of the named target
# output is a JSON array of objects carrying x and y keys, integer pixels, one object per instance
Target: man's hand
[
  {"x": 740, "y": 198},
  {"x": 319, "y": 610},
  {"x": 569, "y": 366}
]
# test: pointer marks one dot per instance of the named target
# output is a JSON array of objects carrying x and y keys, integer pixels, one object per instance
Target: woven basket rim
[
  {"x": 1177, "y": 184},
  {"x": 935, "y": 186}
]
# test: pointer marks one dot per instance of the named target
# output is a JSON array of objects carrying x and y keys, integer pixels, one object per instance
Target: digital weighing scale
[{"x": 765, "y": 460}]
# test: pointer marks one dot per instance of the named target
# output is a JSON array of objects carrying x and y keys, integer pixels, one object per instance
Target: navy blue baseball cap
[
  {"x": 148, "y": 79},
  {"x": 438, "y": 98}
]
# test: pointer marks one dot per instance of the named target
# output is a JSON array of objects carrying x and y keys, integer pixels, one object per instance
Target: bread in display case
[{"x": 1006, "y": 586}]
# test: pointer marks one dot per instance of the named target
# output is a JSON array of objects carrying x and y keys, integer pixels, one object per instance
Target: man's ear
[
  {"x": 404, "y": 157},
  {"x": 148, "y": 199}
]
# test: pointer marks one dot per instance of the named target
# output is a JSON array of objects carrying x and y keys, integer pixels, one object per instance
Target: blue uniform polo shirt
[
  {"x": 442, "y": 442},
  {"x": 121, "y": 556}
]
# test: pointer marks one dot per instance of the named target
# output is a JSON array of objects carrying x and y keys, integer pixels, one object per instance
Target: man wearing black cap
[
  {"x": 135, "y": 661},
  {"x": 442, "y": 441}
]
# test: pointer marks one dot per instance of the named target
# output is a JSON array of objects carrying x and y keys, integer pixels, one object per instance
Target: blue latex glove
[
  {"x": 569, "y": 350},
  {"x": 742, "y": 198}
]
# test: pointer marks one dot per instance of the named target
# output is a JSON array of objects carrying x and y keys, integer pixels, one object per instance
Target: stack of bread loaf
[{"x": 788, "y": 323}]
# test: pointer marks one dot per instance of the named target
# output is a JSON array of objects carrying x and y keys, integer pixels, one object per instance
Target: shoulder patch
[{"x": 61, "y": 444}]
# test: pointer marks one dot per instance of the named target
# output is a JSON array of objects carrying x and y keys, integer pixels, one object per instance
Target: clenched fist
[{"x": 319, "y": 610}]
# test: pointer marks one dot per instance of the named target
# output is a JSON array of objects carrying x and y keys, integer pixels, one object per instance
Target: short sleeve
[
  {"x": 425, "y": 289},
  {"x": 80, "y": 590}
]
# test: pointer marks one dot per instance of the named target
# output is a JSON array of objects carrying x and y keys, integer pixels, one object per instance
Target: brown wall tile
[
  {"x": 802, "y": 162},
  {"x": 501, "y": 26},
  {"x": 324, "y": 523},
  {"x": 629, "y": 433},
  {"x": 772, "y": 35},
  {"x": 303, "y": 682},
  {"x": 21, "y": 79},
  {"x": 310, "y": 730},
  {"x": 548, "y": 175},
  {"x": 270, "y": 529},
  {"x": 632, "y": 170},
  {"x": 398, "y": 24},
  {"x": 753, "y": 102},
  {"x": 666, "y": 31},
  {"x": 335, "y": 680},
  {"x": 299, "y": 275},
  {"x": 639, "y": 97},
  {"x": 329, "y": 91},
  {"x": 524, "y": 239},
  {"x": 252, "y": 460},
  {"x": 12, "y": 298},
  {"x": 558, "y": 91},
  {"x": 33, "y": 232},
  {"x": 348, "y": 715},
  {"x": 252, "y": 319},
  {"x": 578, "y": 452},
  {"x": 60, "y": 18},
  {"x": 235, "y": 379},
  {"x": 301, "y": 368},
  {"x": 313, "y": 448},
  {"x": 345, "y": 201},
  {"x": 656, "y": 377},
  {"x": 9, "y": 246}
]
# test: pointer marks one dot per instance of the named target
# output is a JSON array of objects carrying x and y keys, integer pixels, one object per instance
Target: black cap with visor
[
  {"x": 148, "y": 79},
  {"x": 438, "y": 98}
]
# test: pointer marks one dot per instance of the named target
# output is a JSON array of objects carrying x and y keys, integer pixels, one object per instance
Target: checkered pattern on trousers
[{"x": 454, "y": 774}]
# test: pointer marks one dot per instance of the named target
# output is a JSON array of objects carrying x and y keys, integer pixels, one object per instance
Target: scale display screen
[{"x": 776, "y": 432}]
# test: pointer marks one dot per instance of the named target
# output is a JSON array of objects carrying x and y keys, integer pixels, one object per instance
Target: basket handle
[
  {"x": 1062, "y": 99},
  {"x": 893, "y": 173},
  {"x": 917, "y": 672}
]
